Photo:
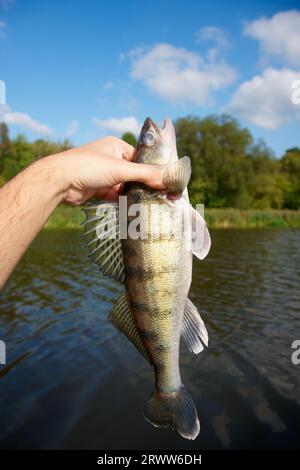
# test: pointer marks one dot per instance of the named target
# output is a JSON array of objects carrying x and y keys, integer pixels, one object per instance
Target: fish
[{"x": 146, "y": 241}]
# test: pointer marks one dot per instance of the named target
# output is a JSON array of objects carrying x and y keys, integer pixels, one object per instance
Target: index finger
[{"x": 128, "y": 151}]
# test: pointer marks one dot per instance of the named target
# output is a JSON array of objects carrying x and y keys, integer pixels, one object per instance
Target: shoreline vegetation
[
  {"x": 71, "y": 217},
  {"x": 237, "y": 177}
]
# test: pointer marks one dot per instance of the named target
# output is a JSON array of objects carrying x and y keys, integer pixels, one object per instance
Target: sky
[{"x": 84, "y": 69}]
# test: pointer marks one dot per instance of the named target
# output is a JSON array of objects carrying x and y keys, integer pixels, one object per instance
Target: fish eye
[{"x": 149, "y": 138}]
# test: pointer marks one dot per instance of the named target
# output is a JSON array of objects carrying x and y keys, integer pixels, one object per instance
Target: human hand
[{"x": 100, "y": 168}]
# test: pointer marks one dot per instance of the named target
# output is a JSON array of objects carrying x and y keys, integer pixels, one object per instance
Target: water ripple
[{"x": 70, "y": 374}]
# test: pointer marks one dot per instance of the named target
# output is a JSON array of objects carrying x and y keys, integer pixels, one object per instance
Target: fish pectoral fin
[
  {"x": 177, "y": 175},
  {"x": 101, "y": 233},
  {"x": 201, "y": 241},
  {"x": 122, "y": 318},
  {"x": 194, "y": 331}
]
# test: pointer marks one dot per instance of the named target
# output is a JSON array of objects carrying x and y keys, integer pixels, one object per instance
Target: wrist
[
  {"x": 50, "y": 171},
  {"x": 45, "y": 177}
]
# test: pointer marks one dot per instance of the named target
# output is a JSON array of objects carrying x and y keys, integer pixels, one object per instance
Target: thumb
[{"x": 140, "y": 172}]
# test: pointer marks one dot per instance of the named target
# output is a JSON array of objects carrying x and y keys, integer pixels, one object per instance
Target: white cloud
[
  {"x": 2, "y": 29},
  {"x": 72, "y": 129},
  {"x": 178, "y": 75},
  {"x": 279, "y": 36},
  {"x": 118, "y": 126},
  {"x": 266, "y": 99},
  {"x": 213, "y": 34},
  {"x": 24, "y": 121},
  {"x": 107, "y": 86}
]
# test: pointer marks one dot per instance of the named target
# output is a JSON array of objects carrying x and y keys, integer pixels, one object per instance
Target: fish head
[{"x": 156, "y": 146}]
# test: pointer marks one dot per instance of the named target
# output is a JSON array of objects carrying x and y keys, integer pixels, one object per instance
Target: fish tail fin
[{"x": 175, "y": 409}]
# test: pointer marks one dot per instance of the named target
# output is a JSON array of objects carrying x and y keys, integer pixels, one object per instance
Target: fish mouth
[
  {"x": 168, "y": 132},
  {"x": 148, "y": 124},
  {"x": 166, "y": 129}
]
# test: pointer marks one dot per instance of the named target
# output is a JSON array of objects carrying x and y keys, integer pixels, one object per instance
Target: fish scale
[{"x": 160, "y": 320}]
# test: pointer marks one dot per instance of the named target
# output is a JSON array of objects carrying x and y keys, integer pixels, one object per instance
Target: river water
[{"x": 72, "y": 381}]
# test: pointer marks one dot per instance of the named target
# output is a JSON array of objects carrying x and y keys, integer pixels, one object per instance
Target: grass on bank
[
  {"x": 72, "y": 217},
  {"x": 252, "y": 218}
]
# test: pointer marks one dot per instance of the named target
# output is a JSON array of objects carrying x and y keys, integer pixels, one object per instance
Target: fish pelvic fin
[
  {"x": 201, "y": 241},
  {"x": 176, "y": 409},
  {"x": 194, "y": 331},
  {"x": 177, "y": 175},
  {"x": 122, "y": 318}
]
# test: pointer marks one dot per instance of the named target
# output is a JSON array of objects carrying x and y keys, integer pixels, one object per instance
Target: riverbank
[
  {"x": 235, "y": 218},
  {"x": 72, "y": 217}
]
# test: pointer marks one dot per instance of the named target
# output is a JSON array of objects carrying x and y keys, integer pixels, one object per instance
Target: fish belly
[{"x": 158, "y": 277}]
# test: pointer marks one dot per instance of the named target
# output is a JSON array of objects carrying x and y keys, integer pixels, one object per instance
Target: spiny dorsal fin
[
  {"x": 194, "y": 331},
  {"x": 101, "y": 233},
  {"x": 177, "y": 175},
  {"x": 121, "y": 316}
]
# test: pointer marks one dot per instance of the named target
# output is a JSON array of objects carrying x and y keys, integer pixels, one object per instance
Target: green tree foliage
[
  {"x": 130, "y": 138},
  {"x": 18, "y": 153},
  {"x": 290, "y": 166},
  {"x": 42, "y": 148},
  {"x": 21, "y": 156},
  {"x": 5, "y": 146},
  {"x": 230, "y": 169}
]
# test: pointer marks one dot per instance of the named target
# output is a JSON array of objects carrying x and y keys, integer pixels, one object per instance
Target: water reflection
[{"x": 73, "y": 381}]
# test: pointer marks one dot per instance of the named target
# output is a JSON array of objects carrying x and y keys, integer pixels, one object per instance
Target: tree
[
  {"x": 290, "y": 165},
  {"x": 217, "y": 147},
  {"x": 129, "y": 138},
  {"x": 21, "y": 156},
  {"x": 229, "y": 169},
  {"x": 5, "y": 146},
  {"x": 265, "y": 184},
  {"x": 42, "y": 148}
]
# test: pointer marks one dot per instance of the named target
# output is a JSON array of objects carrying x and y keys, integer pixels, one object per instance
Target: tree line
[{"x": 229, "y": 168}]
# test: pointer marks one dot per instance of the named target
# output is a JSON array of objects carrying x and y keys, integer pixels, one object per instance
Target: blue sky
[{"x": 83, "y": 69}]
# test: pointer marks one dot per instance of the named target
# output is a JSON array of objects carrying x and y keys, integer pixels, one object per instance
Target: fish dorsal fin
[
  {"x": 101, "y": 233},
  {"x": 194, "y": 331},
  {"x": 122, "y": 317},
  {"x": 201, "y": 241},
  {"x": 177, "y": 175}
]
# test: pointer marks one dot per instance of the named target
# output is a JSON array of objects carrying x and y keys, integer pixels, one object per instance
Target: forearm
[
  {"x": 96, "y": 170},
  {"x": 26, "y": 202}
]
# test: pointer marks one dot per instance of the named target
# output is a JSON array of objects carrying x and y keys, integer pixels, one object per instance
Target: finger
[
  {"x": 118, "y": 188},
  {"x": 128, "y": 151},
  {"x": 107, "y": 194},
  {"x": 147, "y": 174}
]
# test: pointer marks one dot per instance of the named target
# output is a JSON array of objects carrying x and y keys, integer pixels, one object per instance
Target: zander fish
[{"x": 147, "y": 241}]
